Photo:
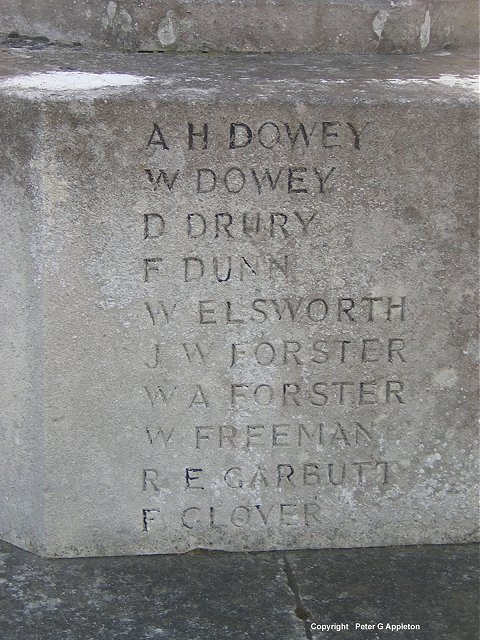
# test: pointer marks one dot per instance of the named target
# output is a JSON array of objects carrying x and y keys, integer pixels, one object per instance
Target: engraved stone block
[{"x": 238, "y": 302}]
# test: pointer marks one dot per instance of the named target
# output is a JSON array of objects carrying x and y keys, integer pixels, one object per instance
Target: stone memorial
[{"x": 238, "y": 300}]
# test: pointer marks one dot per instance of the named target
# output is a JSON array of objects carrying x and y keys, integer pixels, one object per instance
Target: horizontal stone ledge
[
  {"x": 63, "y": 74},
  {"x": 327, "y": 26}
]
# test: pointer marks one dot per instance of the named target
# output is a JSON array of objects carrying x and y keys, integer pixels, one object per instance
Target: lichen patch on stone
[
  {"x": 467, "y": 82},
  {"x": 379, "y": 23},
  {"x": 71, "y": 81},
  {"x": 170, "y": 28},
  {"x": 425, "y": 31},
  {"x": 461, "y": 82}
]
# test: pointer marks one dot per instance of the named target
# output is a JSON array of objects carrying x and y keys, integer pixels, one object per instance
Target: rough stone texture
[
  {"x": 243, "y": 596},
  {"x": 116, "y": 437},
  {"x": 328, "y": 26}
]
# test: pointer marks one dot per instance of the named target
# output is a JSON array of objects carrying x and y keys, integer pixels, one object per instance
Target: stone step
[
  {"x": 171, "y": 596},
  {"x": 326, "y": 26},
  {"x": 237, "y": 301}
]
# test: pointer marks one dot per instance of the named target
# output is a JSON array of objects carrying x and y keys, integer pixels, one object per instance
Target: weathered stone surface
[
  {"x": 195, "y": 354},
  {"x": 328, "y": 26},
  {"x": 243, "y": 595}
]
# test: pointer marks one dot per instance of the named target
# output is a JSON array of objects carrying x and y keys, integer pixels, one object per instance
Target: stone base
[
  {"x": 238, "y": 302},
  {"x": 431, "y": 588}
]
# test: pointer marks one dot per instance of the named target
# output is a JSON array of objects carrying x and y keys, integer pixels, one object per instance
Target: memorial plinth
[{"x": 238, "y": 302}]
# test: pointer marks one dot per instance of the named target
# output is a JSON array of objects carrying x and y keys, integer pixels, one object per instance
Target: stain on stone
[
  {"x": 409, "y": 214},
  {"x": 15, "y": 40}
]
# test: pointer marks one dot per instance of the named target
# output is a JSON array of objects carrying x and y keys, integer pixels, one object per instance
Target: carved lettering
[
  {"x": 162, "y": 177},
  {"x": 267, "y": 372}
]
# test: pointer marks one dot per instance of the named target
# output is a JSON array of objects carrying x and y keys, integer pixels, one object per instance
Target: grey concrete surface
[
  {"x": 325, "y": 26},
  {"x": 215, "y": 360},
  {"x": 245, "y": 596}
]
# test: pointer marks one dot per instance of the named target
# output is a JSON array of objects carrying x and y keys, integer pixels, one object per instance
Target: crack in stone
[{"x": 300, "y": 610}]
